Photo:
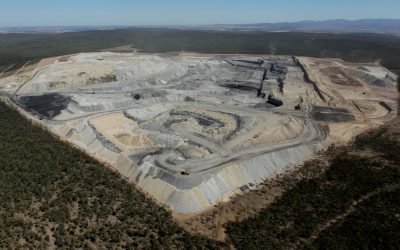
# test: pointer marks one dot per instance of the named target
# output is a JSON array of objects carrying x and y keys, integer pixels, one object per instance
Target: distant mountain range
[
  {"x": 391, "y": 26},
  {"x": 383, "y": 26}
]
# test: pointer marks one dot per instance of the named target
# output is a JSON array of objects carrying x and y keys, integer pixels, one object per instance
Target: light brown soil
[
  {"x": 64, "y": 58},
  {"x": 121, "y": 49},
  {"x": 339, "y": 76},
  {"x": 133, "y": 140},
  {"x": 46, "y": 61}
]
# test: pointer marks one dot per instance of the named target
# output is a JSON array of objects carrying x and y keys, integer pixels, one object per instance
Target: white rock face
[{"x": 192, "y": 130}]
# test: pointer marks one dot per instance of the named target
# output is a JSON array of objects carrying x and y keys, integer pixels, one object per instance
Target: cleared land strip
[{"x": 340, "y": 217}]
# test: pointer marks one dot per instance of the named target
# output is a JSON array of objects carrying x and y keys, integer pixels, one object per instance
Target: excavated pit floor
[{"x": 192, "y": 130}]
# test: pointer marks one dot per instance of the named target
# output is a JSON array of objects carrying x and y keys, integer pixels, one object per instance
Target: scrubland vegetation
[
  {"x": 356, "y": 196},
  {"x": 19, "y": 48}
]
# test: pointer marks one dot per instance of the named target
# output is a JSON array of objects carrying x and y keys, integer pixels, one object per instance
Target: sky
[{"x": 187, "y": 12}]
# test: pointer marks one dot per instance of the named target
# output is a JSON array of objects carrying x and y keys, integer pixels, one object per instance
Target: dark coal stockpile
[
  {"x": 332, "y": 114},
  {"x": 201, "y": 119},
  {"x": 47, "y": 105},
  {"x": 274, "y": 101},
  {"x": 242, "y": 86}
]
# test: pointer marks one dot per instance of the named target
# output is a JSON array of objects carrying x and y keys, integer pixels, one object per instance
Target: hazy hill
[{"x": 364, "y": 25}]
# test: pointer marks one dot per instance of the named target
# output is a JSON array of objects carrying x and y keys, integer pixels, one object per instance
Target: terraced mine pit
[{"x": 192, "y": 130}]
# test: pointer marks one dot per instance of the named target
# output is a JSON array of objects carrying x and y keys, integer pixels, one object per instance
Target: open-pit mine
[{"x": 192, "y": 130}]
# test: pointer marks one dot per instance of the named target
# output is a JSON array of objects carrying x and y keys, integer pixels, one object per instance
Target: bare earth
[{"x": 195, "y": 130}]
